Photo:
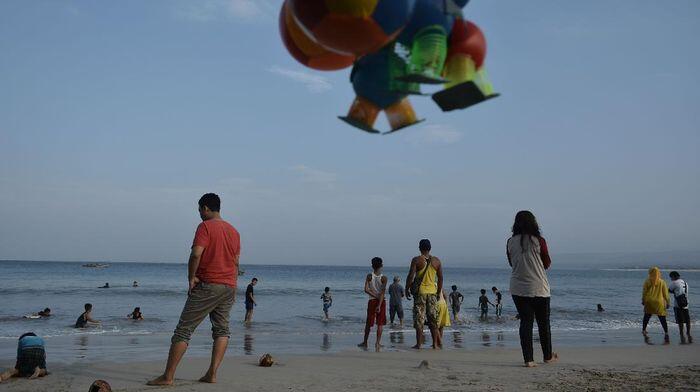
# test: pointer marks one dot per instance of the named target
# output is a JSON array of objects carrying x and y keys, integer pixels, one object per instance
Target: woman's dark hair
[
  {"x": 377, "y": 262},
  {"x": 27, "y": 334},
  {"x": 525, "y": 225}
]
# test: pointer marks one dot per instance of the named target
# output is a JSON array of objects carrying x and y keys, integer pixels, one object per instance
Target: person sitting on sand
[
  {"x": 45, "y": 313},
  {"x": 499, "y": 301},
  {"x": 327, "y": 302},
  {"x": 529, "y": 260},
  {"x": 443, "y": 315},
  {"x": 424, "y": 281},
  {"x": 136, "y": 314},
  {"x": 456, "y": 299},
  {"x": 600, "y": 308},
  {"x": 484, "y": 303},
  {"x": 85, "y": 318},
  {"x": 106, "y": 286},
  {"x": 679, "y": 288},
  {"x": 250, "y": 303},
  {"x": 31, "y": 358},
  {"x": 656, "y": 300},
  {"x": 212, "y": 273},
  {"x": 396, "y": 294},
  {"x": 375, "y": 287}
]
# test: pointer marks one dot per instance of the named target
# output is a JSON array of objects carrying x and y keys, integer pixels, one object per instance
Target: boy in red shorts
[{"x": 375, "y": 287}]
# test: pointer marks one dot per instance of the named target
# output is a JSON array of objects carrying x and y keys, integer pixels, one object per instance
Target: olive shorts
[{"x": 205, "y": 299}]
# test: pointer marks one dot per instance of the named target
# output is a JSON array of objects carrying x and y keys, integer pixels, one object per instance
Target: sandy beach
[{"x": 648, "y": 368}]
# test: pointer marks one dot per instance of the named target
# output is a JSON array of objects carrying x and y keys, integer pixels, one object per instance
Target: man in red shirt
[{"x": 212, "y": 275}]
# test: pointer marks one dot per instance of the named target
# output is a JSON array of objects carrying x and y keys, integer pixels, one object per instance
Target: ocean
[{"x": 288, "y": 318}]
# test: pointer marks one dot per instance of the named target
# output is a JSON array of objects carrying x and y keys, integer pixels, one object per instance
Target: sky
[{"x": 115, "y": 117}]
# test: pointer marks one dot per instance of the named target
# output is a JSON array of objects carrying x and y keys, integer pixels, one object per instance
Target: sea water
[{"x": 288, "y": 317}]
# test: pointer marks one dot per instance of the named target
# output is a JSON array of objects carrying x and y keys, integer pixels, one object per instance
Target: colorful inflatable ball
[
  {"x": 355, "y": 27},
  {"x": 304, "y": 49}
]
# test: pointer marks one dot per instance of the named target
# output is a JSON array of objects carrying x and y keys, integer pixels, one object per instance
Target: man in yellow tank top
[{"x": 424, "y": 282}]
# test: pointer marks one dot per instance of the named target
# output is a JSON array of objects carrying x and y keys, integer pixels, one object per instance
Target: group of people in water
[{"x": 213, "y": 271}]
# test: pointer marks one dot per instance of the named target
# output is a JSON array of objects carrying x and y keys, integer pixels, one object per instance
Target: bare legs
[
  {"x": 177, "y": 350},
  {"x": 364, "y": 341},
  {"x": 38, "y": 372},
  {"x": 217, "y": 356}
]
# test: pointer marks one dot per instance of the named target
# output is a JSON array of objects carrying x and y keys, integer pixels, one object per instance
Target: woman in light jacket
[
  {"x": 529, "y": 259},
  {"x": 656, "y": 300}
]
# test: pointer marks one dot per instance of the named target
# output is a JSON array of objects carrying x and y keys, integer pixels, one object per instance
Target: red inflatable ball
[
  {"x": 304, "y": 49},
  {"x": 468, "y": 39}
]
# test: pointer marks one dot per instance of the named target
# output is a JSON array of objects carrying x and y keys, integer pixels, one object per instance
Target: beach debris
[
  {"x": 424, "y": 364},
  {"x": 266, "y": 360},
  {"x": 100, "y": 386}
]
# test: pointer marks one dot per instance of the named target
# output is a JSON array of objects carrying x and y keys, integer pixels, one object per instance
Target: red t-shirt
[{"x": 222, "y": 245}]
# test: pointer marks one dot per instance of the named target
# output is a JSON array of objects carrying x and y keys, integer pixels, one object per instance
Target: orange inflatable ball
[
  {"x": 467, "y": 39},
  {"x": 356, "y": 27},
  {"x": 304, "y": 49}
]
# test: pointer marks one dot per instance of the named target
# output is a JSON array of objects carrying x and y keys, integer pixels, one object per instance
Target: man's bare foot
[
  {"x": 530, "y": 364},
  {"x": 160, "y": 380},
  {"x": 362, "y": 345},
  {"x": 555, "y": 357},
  {"x": 416, "y": 347},
  {"x": 378, "y": 347},
  {"x": 644, "y": 332},
  {"x": 208, "y": 379},
  {"x": 690, "y": 339},
  {"x": 683, "y": 341},
  {"x": 667, "y": 340}
]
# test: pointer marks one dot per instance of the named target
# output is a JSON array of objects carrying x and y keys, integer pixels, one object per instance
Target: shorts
[
  {"x": 326, "y": 306},
  {"x": 214, "y": 300},
  {"x": 29, "y": 359},
  {"x": 682, "y": 315},
  {"x": 372, "y": 316},
  {"x": 396, "y": 310},
  {"x": 249, "y": 305},
  {"x": 425, "y": 310},
  {"x": 484, "y": 310}
]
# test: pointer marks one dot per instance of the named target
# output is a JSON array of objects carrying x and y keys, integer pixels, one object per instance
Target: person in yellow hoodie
[{"x": 656, "y": 300}]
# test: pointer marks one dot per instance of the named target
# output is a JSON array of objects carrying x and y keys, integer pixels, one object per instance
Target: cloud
[
  {"x": 210, "y": 10},
  {"x": 435, "y": 134},
  {"x": 313, "y": 83},
  {"x": 311, "y": 175}
]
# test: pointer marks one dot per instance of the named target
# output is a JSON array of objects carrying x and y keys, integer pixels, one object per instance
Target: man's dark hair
[
  {"x": 494, "y": 288},
  {"x": 454, "y": 287},
  {"x": 88, "y": 307},
  {"x": 377, "y": 262},
  {"x": 211, "y": 201},
  {"x": 137, "y": 309},
  {"x": 424, "y": 245},
  {"x": 327, "y": 289},
  {"x": 27, "y": 334},
  {"x": 674, "y": 275},
  {"x": 47, "y": 310},
  {"x": 483, "y": 291},
  {"x": 254, "y": 280}
]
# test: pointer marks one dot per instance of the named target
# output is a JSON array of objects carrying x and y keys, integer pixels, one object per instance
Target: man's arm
[
  {"x": 461, "y": 298},
  {"x": 368, "y": 289},
  {"x": 439, "y": 276},
  {"x": 410, "y": 277},
  {"x": 193, "y": 264},
  {"x": 381, "y": 295}
]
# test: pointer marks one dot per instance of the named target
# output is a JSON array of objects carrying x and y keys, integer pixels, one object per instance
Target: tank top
[
  {"x": 429, "y": 284},
  {"x": 528, "y": 278},
  {"x": 376, "y": 283}
]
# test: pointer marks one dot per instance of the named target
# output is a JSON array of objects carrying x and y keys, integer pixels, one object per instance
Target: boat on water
[{"x": 96, "y": 265}]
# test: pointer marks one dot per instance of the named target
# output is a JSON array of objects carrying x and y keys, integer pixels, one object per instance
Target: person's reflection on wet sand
[
  {"x": 486, "y": 338},
  {"x": 396, "y": 337},
  {"x": 457, "y": 338},
  {"x": 248, "y": 344},
  {"x": 82, "y": 343},
  {"x": 326, "y": 345}
]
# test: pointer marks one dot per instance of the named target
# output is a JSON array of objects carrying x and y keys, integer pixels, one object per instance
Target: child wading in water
[
  {"x": 327, "y": 302},
  {"x": 375, "y": 287},
  {"x": 484, "y": 305}
]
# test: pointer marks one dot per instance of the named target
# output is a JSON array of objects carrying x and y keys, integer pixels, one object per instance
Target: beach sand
[{"x": 647, "y": 368}]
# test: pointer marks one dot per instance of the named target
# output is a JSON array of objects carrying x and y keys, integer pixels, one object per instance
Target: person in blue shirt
[{"x": 31, "y": 358}]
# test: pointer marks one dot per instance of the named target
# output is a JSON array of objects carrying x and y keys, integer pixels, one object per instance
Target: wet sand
[{"x": 648, "y": 368}]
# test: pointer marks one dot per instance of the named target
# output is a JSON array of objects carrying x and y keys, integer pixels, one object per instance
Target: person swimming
[
  {"x": 106, "y": 286},
  {"x": 600, "y": 308},
  {"x": 45, "y": 313},
  {"x": 136, "y": 314},
  {"x": 85, "y": 318},
  {"x": 136, "y": 284}
]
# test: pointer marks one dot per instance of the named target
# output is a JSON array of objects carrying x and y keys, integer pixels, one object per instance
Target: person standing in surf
[
  {"x": 656, "y": 300},
  {"x": 424, "y": 281},
  {"x": 212, "y": 276},
  {"x": 529, "y": 259},
  {"x": 375, "y": 287}
]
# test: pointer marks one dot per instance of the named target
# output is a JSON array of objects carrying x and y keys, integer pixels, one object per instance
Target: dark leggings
[
  {"x": 662, "y": 320},
  {"x": 531, "y": 309}
]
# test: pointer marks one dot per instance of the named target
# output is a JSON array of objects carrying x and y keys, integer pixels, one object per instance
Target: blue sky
[{"x": 116, "y": 116}]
